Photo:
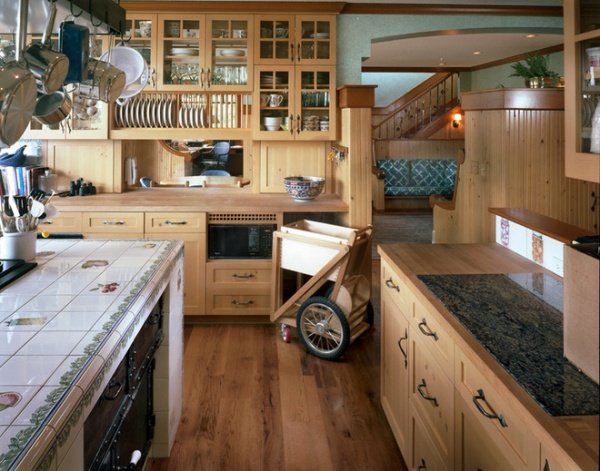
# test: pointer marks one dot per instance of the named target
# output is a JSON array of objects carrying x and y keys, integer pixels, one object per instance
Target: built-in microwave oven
[{"x": 240, "y": 241}]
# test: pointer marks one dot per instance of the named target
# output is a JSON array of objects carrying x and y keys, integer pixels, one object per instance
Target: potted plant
[{"x": 534, "y": 69}]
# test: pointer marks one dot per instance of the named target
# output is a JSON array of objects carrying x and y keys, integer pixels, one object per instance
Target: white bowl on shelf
[
  {"x": 272, "y": 120},
  {"x": 273, "y": 127}
]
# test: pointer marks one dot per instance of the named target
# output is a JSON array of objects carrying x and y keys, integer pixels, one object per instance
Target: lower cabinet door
[{"x": 424, "y": 453}]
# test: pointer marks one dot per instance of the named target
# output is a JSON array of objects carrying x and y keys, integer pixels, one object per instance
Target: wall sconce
[{"x": 456, "y": 119}]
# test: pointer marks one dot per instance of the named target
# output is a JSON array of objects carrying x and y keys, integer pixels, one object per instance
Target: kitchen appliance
[
  {"x": 240, "y": 241},
  {"x": 10, "y": 270}
]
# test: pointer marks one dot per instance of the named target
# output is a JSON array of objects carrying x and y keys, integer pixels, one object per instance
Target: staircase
[{"x": 421, "y": 112}]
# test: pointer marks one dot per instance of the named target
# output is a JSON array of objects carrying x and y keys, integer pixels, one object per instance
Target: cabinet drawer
[
  {"x": 238, "y": 304},
  {"x": 395, "y": 286},
  {"x": 504, "y": 425},
  {"x": 114, "y": 223},
  {"x": 64, "y": 222},
  {"x": 157, "y": 223},
  {"x": 238, "y": 274},
  {"x": 432, "y": 395},
  {"x": 433, "y": 331},
  {"x": 424, "y": 454}
]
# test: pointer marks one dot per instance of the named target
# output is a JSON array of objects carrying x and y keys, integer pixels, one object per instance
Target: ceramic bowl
[
  {"x": 272, "y": 121},
  {"x": 272, "y": 128},
  {"x": 304, "y": 188}
]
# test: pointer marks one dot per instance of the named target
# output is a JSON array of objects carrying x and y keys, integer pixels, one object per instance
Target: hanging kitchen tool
[
  {"x": 53, "y": 108},
  {"x": 104, "y": 81},
  {"x": 136, "y": 87},
  {"x": 18, "y": 90},
  {"x": 74, "y": 42},
  {"x": 128, "y": 59},
  {"x": 49, "y": 67}
]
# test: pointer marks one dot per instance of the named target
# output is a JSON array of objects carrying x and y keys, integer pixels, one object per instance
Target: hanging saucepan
[
  {"x": 53, "y": 108},
  {"x": 49, "y": 67},
  {"x": 107, "y": 79},
  {"x": 18, "y": 93}
]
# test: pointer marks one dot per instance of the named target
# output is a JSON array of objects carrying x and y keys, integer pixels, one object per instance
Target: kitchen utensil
[
  {"x": 136, "y": 87},
  {"x": 49, "y": 67},
  {"x": 104, "y": 82},
  {"x": 74, "y": 42},
  {"x": 53, "y": 108},
  {"x": 18, "y": 94},
  {"x": 45, "y": 233},
  {"x": 127, "y": 59}
]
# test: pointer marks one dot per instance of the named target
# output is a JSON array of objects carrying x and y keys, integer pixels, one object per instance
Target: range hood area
[{"x": 107, "y": 16}]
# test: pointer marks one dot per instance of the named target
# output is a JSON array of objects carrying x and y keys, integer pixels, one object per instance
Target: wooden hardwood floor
[{"x": 253, "y": 402}]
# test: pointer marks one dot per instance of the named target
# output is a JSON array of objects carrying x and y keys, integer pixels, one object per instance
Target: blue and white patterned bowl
[{"x": 304, "y": 188}]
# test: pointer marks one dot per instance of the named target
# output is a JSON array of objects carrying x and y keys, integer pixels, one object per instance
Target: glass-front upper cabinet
[
  {"x": 204, "y": 52},
  {"x": 297, "y": 39},
  {"x": 295, "y": 103},
  {"x": 582, "y": 89},
  {"x": 141, "y": 33}
]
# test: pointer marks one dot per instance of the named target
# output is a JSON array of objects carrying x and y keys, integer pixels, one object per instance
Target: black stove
[{"x": 10, "y": 270}]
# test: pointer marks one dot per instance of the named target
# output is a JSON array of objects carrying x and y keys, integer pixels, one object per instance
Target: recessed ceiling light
[
  {"x": 530, "y": 35},
  {"x": 477, "y": 53}
]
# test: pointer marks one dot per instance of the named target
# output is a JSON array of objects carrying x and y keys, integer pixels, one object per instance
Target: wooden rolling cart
[{"x": 326, "y": 324}]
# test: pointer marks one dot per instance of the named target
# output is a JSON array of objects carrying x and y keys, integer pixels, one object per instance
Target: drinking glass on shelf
[{"x": 217, "y": 75}]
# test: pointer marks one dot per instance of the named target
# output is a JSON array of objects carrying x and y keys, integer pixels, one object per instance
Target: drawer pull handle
[
  {"x": 390, "y": 284},
  {"x": 112, "y": 385},
  {"x": 422, "y": 466},
  {"x": 481, "y": 396},
  {"x": 240, "y": 303},
  {"x": 113, "y": 223},
  {"x": 48, "y": 221},
  {"x": 248, "y": 275},
  {"x": 420, "y": 388},
  {"x": 429, "y": 333},
  {"x": 175, "y": 223},
  {"x": 401, "y": 349}
]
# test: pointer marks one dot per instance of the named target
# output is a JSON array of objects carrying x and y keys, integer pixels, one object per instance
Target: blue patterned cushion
[
  {"x": 450, "y": 173},
  {"x": 397, "y": 172},
  {"x": 426, "y": 172}
]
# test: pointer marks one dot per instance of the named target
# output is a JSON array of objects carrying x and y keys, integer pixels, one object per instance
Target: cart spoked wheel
[
  {"x": 323, "y": 328},
  {"x": 286, "y": 333}
]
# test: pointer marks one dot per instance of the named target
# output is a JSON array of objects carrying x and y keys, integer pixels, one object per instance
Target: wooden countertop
[
  {"x": 561, "y": 231},
  {"x": 577, "y": 436},
  {"x": 198, "y": 199}
]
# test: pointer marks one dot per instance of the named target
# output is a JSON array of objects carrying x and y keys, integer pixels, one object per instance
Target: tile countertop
[{"x": 55, "y": 322}]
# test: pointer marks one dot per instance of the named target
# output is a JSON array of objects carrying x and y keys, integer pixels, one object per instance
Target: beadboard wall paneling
[
  {"x": 409, "y": 149},
  {"x": 514, "y": 158}
]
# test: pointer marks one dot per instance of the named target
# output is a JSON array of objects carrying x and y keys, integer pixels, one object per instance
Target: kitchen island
[
  {"x": 67, "y": 326},
  {"x": 464, "y": 386}
]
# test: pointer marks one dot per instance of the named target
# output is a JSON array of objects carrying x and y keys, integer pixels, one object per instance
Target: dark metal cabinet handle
[
  {"x": 240, "y": 303},
  {"x": 112, "y": 385},
  {"x": 175, "y": 223},
  {"x": 291, "y": 52},
  {"x": 113, "y": 223},
  {"x": 247, "y": 275},
  {"x": 422, "y": 466},
  {"x": 481, "y": 397},
  {"x": 298, "y": 125},
  {"x": 428, "y": 332},
  {"x": 292, "y": 124},
  {"x": 299, "y": 55},
  {"x": 401, "y": 349},
  {"x": 390, "y": 284},
  {"x": 420, "y": 388}
]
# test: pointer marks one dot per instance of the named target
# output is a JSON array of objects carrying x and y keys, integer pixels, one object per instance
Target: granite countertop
[
  {"x": 83, "y": 299},
  {"x": 518, "y": 319}
]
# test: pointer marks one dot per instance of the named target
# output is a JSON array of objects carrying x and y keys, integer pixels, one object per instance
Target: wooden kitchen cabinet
[
  {"x": 395, "y": 364},
  {"x": 299, "y": 39},
  {"x": 424, "y": 454},
  {"x": 304, "y": 97},
  {"x": 582, "y": 90},
  {"x": 113, "y": 225},
  {"x": 141, "y": 34},
  {"x": 204, "y": 52},
  {"x": 65, "y": 222},
  {"x": 191, "y": 229},
  {"x": 237, "y": 287}
]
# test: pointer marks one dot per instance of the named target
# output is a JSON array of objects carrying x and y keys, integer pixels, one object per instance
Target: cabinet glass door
[
  {"x": 229, "y": 52},
  {"x": 315, "y": 40},
  {"x": 275, "y": 39},
  {"x": 315, "y": 101},
  {"x": 588, "y": 50},
  {"x": 141, "y": 33},
  {"x": 275, "y": 117},
  {"x": 181, "y": 50}
]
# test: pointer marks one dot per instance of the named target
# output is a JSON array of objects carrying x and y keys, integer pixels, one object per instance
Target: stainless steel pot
[
  {"x": 53, "y": 108},
  {"x": 49, "y": 67},
  {"x": 107, "y": 81},
  {"x": 18, "y": 94}
]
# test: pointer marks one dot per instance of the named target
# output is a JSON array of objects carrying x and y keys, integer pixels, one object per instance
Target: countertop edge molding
[
  {"x": 561, "y": 231},
  {"x": 514, "y": 99}
]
